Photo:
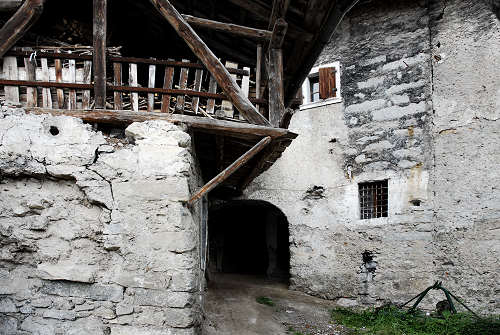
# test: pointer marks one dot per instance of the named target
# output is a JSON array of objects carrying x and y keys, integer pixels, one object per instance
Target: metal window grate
[{"x": 373, "y": 199}]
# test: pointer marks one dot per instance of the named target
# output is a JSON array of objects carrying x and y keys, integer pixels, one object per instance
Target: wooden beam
[
  {"x": 279, "y": 32},
  {"x": 221, "y": 177},
  {"x": 212, "y": 63},
  {"x": 276, "y": 99},
  {"x": 279, "y": 11},
  {"x": 99, "y": 54},
  {"x": 9, "y": 5},
  {"x": 19, "y": 24},
  {"x": 230, "y": 28},
  {"x": 203, "y": 124}
]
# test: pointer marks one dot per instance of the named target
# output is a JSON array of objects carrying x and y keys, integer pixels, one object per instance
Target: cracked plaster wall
[
  {"x": 95, "y": 236},
  {"x": 421, "y": 102}
]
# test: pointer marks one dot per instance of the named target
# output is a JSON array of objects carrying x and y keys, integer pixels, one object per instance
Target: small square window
[
  {"x": 322, "y": 86},
  {"x": 373, "y": 199}
]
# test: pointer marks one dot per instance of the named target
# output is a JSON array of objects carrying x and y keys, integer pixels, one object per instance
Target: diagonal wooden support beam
[
  {"x": 217, "y": 180},
  {"x": 211, "y": 62},
  {"x": 19, "y": 24}
]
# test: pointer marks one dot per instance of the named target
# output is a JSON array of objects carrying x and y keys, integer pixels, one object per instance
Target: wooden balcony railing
[{"x": 64, "y": 81}]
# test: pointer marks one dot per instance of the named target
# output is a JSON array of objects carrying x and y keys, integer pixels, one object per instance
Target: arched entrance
[{"x": 249, "y": 237}]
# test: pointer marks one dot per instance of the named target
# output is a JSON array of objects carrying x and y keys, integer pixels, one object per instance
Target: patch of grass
[
  {"x": 394, "y": 321},
  {"x": 265, "y": 301}
]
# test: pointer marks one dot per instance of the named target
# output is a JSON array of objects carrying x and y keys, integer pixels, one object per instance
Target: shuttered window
[{"x": 327, "y": 85}]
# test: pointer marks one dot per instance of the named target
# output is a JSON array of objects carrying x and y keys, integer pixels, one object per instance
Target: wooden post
[
  {"x": 276, "y": 99},
  {"x": 117, "y": 81},
  {"x": 10, "y": 71},
  {"x": 132, "y": 81},
  {"x": 217, "y": 180},
  {"x": 167, "y": 83},
  {"x": 19, "y": 24},
  {"x": 151, "y": 84},
  {"x": 99, "y": 55},
  {"x": 46, "y": 94},
  {"x": 31, "y": 92},
  {"x": 197, "y": 87},
  {"x": 183, "y": 78},
  {"x": 87, "y": 79},
  {"x": 258, "y": 73},
  {"x": 207, "y": 57},
  {"x": 212, "y": 88}
]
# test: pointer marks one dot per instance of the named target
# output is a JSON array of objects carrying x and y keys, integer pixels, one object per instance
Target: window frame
[
  {"x": 306, "y": 87},
  {"x": 373, "y": 186}
]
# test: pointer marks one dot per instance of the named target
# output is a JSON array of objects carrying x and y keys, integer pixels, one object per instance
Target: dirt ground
[{"x": 231, "y": 308}]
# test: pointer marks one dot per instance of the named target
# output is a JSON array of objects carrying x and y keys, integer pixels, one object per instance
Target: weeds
[
  {"x": 265, "y": 301},
  {"x": 393, "y": 321}
]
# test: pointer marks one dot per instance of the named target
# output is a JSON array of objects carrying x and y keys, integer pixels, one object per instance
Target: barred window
[{"x": 373, "y": 199}]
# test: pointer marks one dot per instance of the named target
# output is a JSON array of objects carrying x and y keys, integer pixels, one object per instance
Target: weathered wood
[
  {"x": 19, "y": 24},
  {"x": 230, "y": 28},
  {"x": 198, "y": 75},
  {"x": 87, "y": 79},
  {"x": 258, "y": 73},
  {"x": 167, "y": 84},
  {"x": 278, "y": 11},
  {"x": 200, "y": 49},
  {"x": 46, "y": 94},
  {"x": 227, "y": 106},
  {"x": 276, "y": 101},
  {"x": 117, "y": 81},
  {"x": 222, "y": 176},
  {"x": 99, "y": 54},
  {"x": 212, "y": 88},
  {"x": 59, "y": 79},
  {"x": 132, "y": 81},
  {"x": 31, "y": 92},
  {"x": 72, "y": 79},
  {"x": 203, "y": 124},
  {"x": 245, "y": 86},
  {"x": 151, "y": 84},
  {"x": 11, "y": 72},
  {"x": 179, "y": 106},
  {"x": 10, "y": 5},
  {"x": 279, "y": 32},
  {"x": 76, "y": 86}
]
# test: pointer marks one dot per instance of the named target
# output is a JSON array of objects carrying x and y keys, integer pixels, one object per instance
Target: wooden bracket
[
  {"x": 19, "y": 24},
  {"x": 217, "y": 180},
  {"x": 212, "y": 63}
]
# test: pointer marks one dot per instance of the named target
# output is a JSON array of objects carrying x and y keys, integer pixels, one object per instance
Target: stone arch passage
[{"x": 249, "y": 237}]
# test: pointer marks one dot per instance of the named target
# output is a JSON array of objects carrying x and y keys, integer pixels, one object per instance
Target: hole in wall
[
  {"x": 416, "y": 202},
  {"x": 369, "y": 262},
  {"x": 54, "y": 131}
]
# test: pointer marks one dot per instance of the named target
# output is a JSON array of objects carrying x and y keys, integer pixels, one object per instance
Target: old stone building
[
  {"x": 420, "y": 89},
  {"x": 391, "y": 184}
]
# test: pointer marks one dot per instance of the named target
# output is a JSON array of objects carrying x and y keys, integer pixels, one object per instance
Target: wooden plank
[
  {"x": 11, "y": 72},
  {"x": 258, "y": 73},
  {"x": 19, "y": 24},
  {"x": 212, "y": 88},
  {"x": 132, "y": 81},
  {"x": 72, "y": 79},
  {"x": 151, "y": 84},
  {"x": 245, "y": 86},
  {"x": 200, "y": 49},
  {"x": 117, "y": 81},
  {"x": 276, "y": 104},
  {"x": 59, "y": 79},
  {"x": 198, "y": 75},
  {"x": 46, "y": 94},
  {"x": 87, "y": 79},
  {"x": 179, "y": 107},
  {"x": 203, "y": 124},
  {"x": 222, "y": 176},
  {"x": 167, "y": 84},
  {"x": 99, "y": 54},
  {"x": 31, "y": 92},
  {"x": 227, "y": 106},
  {"x": 230, "y": 28},
  {"x": 327, "y": 82}
]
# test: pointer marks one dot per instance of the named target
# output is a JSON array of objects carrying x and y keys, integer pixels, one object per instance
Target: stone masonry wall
[
  {"x": 421, "y": 98},
  {"x": 95, "y": 236}
]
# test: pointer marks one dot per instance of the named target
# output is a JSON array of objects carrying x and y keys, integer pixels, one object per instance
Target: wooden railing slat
[
  {"x": 227, "y": 106},
  {"x": 212, "y": 88},
  {"x": 72, "y": 79},
  {"x": 167, "y": 84},
  {"x": 46, "y": 94},
  {"x": 151, "y": 84},
  {"x": 87, "y": 79},
  {"x": 11, "y": 72},
  {"x": 198, "y": 75},
  {"x": 117, "y": 80},
  {"x": 59, "y": 79},
  {"x": 31, "y": 92},
  {"x": 132, "y": 80},
  {"x": 179, "y": 107}
]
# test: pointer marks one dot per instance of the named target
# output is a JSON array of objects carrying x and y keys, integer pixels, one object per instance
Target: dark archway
[{"x": 249, "y": 237}]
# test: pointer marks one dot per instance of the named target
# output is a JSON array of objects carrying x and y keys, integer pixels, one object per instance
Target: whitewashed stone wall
[
  {"x": 421, "y": 102},
  {"x": 95, "y": 235}
]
